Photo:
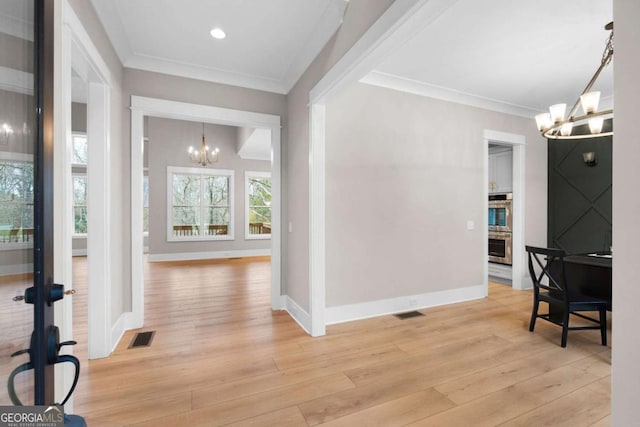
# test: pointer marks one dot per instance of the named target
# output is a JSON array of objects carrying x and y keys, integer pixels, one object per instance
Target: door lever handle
[
  {"x": 70, "y": 292},
  {"x": 18, "y": 298}
]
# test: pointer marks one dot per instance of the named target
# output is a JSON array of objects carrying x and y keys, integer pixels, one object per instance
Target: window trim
[
  {"x": 247, "y": 176},
  {"x": 202, "y": 172},
  {"x": 11, "y": 156},
  {"x": 145, "y": 178}
]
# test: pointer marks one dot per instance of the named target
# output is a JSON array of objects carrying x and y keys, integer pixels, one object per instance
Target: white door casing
[{"x": 143, "y": 106}]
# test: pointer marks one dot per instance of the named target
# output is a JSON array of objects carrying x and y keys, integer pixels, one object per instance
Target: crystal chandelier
[
  {"x": 203, "y": 157},
  {"x": 554, "y": 125}
]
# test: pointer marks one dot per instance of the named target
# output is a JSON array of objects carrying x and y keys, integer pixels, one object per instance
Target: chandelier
[
  {"x": 203, "y": 157},
  {"x": 554, "y": 125}
]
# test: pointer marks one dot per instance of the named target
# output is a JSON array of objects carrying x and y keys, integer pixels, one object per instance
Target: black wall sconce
[{"x": 589, "y": 158}]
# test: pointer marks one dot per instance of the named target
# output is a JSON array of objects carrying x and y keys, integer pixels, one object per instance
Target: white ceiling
[
  {"x": 268, "y": 46},
  {"x": 512, "y": 56}
]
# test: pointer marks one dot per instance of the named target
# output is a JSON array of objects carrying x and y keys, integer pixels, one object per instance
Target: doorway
[
  {"x": 515, "y": 146},
  {"x": 141, "y": 107}
]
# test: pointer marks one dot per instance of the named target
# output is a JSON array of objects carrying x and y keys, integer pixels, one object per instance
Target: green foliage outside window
[
  {"x": 16, "y": 201},
  {"x": 259, "y": 205}
]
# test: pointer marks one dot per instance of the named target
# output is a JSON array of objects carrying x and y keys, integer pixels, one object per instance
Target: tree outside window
[
  {"x": 80, "y": 204},
  {"x": 16, "y": 202},
  {"x": 200, "y": 204},
  {"x": 258, "y": 205},
  {"x": 79, "y": 150}
]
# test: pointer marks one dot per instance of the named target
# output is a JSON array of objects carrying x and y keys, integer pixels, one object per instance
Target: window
[
  {"x": 16, "y": 203},
  {"x": 200, "y": 204},
  {"x": 79, "y": 204},
  {"x": 258, "y": 205},
  {"x": 79, "y": 149},
  {"x": 79, "y": 184},
  {"x": 145, "y": 204}
]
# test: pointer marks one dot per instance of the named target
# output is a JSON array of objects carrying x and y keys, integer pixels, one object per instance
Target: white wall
[
  {"x": 168, "y": 143},
  {"x": 404, "y": 174},
  {"x": 359, "y": 16},
  {"x": 626, "y": 211}
]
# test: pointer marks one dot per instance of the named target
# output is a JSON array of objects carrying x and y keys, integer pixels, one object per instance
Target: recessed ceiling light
[{"x": 217, "y": 33}]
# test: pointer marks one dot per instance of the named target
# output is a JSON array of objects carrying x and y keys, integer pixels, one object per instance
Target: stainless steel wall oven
[
  {"x": 500, "y": 247},
  {"x": 500, "y": 212},
  {"x": 500, "y": 225}
]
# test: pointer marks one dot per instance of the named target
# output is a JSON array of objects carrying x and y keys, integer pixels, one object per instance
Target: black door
[{"x": 26, "y": 199}]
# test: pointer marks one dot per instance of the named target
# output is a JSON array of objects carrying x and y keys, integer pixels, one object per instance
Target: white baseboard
[
  {"x": 188, "y": 256},
  {"x": 79, "y": 252},
  {"x": 298, "y": 314},
  {"x": 118, "y": 330},
  {"x": 279, "y": 303},
  {"x": 7, "y": 270},
  {"x": 347, "y": 313}
]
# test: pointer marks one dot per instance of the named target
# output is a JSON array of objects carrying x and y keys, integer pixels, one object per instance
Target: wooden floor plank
[
  {"x": 398, "y": 412},
  {"x": 287, "y": 417},
  {"x": 220, "y": 355},
  {"x": 508, "y": 403}
]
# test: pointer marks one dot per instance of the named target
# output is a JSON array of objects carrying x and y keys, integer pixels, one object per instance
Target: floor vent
[
  {"x": 408, "y": 315},
  {"x": 142, "y": 339}
]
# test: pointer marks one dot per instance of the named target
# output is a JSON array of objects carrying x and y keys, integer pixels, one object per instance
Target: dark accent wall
[{"x": 579, "y": 216}]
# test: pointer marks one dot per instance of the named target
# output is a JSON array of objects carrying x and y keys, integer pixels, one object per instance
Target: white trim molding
[
  {"x": 365, "y": 310},
  {"x": 13, "y": 80},
  {"x": 247, "y": 232},
  {"x": 143, "y": 106},
  {"x": 300, "y": 315},
  {"x": 403, "y": 84},
  {"x": 11, "y": 269},
  {"x": 188, "y": 256}
]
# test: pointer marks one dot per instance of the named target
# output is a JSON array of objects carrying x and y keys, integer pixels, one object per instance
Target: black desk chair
[{"x": 558, "y": 294}]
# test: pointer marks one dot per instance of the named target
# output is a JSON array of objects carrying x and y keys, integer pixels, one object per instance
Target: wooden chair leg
[
  {"x": 565, "y": 328},
  {"x": 534, "y": 315},
  {"x": 603, "y": 325}
]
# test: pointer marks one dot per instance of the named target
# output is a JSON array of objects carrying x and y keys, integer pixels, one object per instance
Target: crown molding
[
  {"x": 389, "y": 81},
  {"x": 191, "y": 71},
  {"x": 16, "y": 27},
  {"x": 13, "y": 80},
  {"x": 328, "y": 24}
]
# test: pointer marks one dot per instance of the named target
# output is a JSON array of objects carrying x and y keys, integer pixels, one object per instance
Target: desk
[{"x": 591, "y": 275}]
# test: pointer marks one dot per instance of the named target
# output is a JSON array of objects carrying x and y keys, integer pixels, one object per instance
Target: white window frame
[
  {"x": 75, "y": 135},
  {"x": 145, "y": 178},
  {"x": 10, "y": 156},
  {"x": 73, "y": 204},
  {"x": 248, "y": 175},
  {"x": 202, "y": 172}
]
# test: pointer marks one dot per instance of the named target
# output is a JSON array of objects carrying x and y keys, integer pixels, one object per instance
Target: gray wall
[
  {"x": 625, "y": 372},
  {"x": 404, "y": 174},
  {"x": 168, "y": 144},
  {"x": 163, "y": 86},
  {"x": 359, "y": 16}
]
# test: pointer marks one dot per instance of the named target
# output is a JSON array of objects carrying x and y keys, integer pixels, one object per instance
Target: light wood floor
[{"x": 220, "y": 356}]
